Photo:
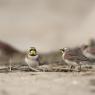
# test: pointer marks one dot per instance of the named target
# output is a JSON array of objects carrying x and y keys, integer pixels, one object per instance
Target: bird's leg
[
  {"x": 33, "y": 69},
  {"x": 71, "y": 68},
  {"x": 10, "y": 64},
  {"x": 79, "y": 69}
]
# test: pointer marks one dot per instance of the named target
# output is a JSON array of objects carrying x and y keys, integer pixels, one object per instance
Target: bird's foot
[
  {"x": 72, "y": 68},
  {"x": 34, "y": 69},
  {"x": 79, "y": 68},
  {"x": 10, "y": 68}
]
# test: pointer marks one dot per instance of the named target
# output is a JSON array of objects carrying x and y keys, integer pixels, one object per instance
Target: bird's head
[
  {"x": 32, "y": 51},
  {"x": 63, "y": 50},
  {"x": 84, "y": 47}
]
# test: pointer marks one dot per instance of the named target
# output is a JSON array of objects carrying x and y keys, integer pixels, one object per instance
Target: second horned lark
[
  {"x": 89, "y": 52},
  {"x": 32, "y": 59},
  {"x": 72, "y": 58}
]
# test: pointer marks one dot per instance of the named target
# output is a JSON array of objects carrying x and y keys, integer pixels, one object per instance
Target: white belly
[{"x": 31, "y": 62}]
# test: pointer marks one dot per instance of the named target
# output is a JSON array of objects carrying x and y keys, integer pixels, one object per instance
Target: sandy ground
[
  {"x": 48, "y": 25},
  {"x": 47, "y": 83}
]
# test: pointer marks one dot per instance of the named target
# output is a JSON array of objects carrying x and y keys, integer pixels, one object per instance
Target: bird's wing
[
  {"x": 92, "y": 50},
  {"x": 76, "y": 55}
]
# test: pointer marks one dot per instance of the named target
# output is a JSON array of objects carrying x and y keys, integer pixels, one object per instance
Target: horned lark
[
  {"x": 89, "y": 51},
  {"x": 32, "y": 58},
  {"x": 72, "y": 58}
]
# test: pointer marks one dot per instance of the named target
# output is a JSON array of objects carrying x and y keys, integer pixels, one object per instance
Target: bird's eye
[
  {"x": 62, "y": 50},
  {"x": 31, "y": 50}
]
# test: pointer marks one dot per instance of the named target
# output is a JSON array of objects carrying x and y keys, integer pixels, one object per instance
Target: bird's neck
[
  {"x": 63, "y": 55},
  {"x": 31, "y": 57}
]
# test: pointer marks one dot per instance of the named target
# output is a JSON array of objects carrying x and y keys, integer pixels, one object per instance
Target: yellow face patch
[{"x": 32, "y": 53}]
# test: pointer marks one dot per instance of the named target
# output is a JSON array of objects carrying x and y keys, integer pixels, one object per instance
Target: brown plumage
[
  {"x": 73, "y": 57},
  {"x": 89, "y": 52}
]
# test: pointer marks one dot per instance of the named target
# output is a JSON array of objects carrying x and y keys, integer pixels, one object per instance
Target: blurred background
[{"x": 46, "y": 24}]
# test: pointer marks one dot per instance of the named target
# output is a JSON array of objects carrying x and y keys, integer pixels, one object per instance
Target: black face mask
[{"x": 32, "y": 54}]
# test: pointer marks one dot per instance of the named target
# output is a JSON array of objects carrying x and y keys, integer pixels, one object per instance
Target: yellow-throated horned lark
[
  {"x": 32, "y": 58},
  {"x": 72, "y": 58}
]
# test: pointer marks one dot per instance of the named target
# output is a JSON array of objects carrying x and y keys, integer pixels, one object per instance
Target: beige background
[{"x": 46, "y": 24}]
